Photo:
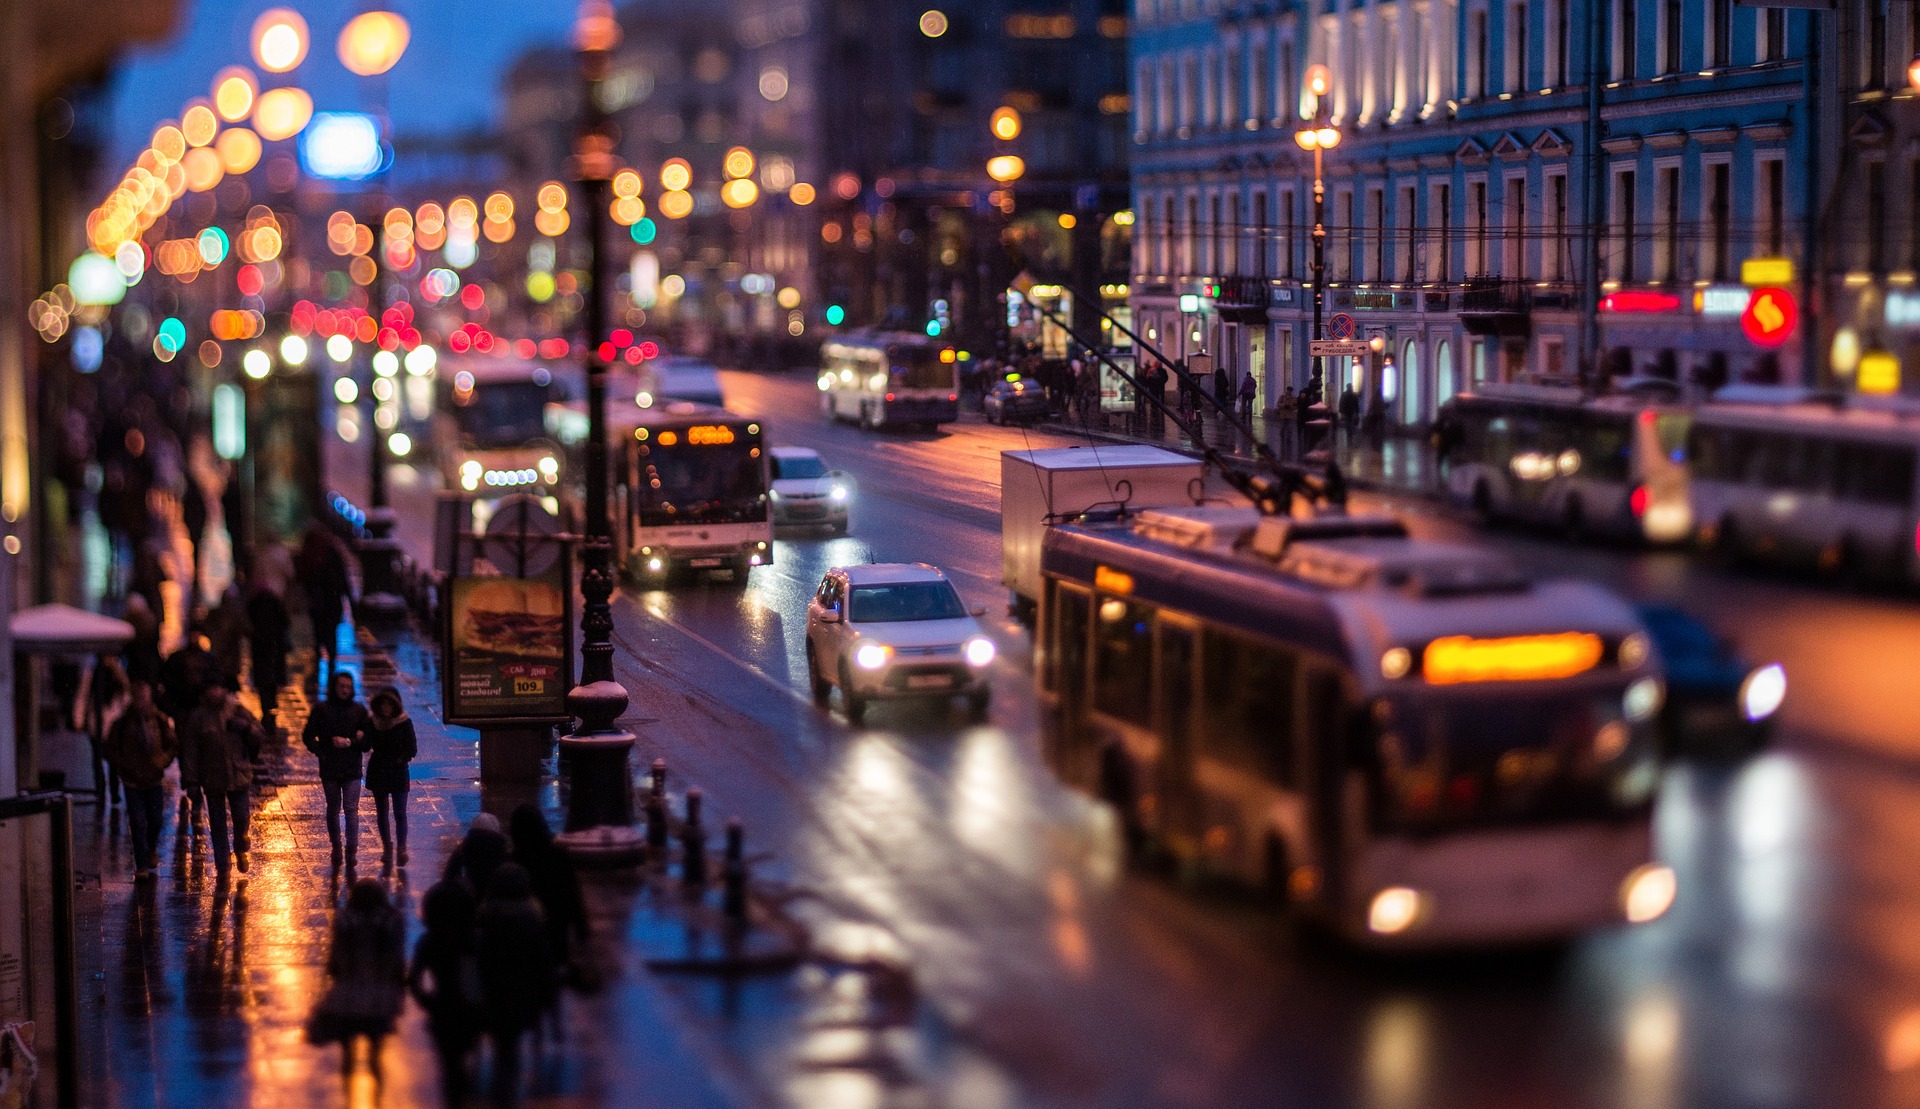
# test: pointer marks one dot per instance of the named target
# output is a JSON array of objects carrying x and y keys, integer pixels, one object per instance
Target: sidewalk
[
  {"x": 199, "y": 995},
  {"x": 1401, "y": 464}
]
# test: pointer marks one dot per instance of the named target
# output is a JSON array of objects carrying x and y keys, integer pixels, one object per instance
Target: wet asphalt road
[{"x": 1048, "y": 974}]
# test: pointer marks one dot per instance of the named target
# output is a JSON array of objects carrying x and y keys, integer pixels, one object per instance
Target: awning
[{"x": 66, "y": 630}]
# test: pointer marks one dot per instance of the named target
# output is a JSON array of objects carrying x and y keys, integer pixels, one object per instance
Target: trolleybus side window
[
  {"x": 1876, "y": 474},
  {"x": 1173, "y": 713},
  {"x": 1604, "y": 447},
  {"x": 1123, "y": 660},
  {"x": 1069, "y": 662},
  {"x": 1247, "y": 709}
]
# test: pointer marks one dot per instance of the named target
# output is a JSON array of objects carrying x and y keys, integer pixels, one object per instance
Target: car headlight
[
  {"x": 979, "y": 651},
  {"x": 1648, "y": 893},
  {"x": 1763, "y": 691},
  {"x": 839, "y": 493},
  {"x": 469, "y": 482},
  {"x": 773, "y": 494},
  {"x": 1394, "y": 910},
  {"x": 470, "y": 468},
  {"x": 1642, "y": 699},
  {"x": 872, "y": 656},
  {"x": 653, "y": 565}
]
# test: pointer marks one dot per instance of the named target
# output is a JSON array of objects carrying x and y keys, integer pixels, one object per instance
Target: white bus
[
  {"x": 890, "y": 380},
  {"x": 489, "y": 433},
  {"x": 1611, "y": 466},
  {"x": 1808, "y": 484},
  {"x": 1406, "y": 739}
]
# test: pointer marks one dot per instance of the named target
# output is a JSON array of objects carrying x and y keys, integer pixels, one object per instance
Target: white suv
[
  {"x": 895, "y": 630},
  {"x": 807, "y": 494}
]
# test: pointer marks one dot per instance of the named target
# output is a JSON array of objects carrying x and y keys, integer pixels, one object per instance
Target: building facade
[{"x": 1563, "y": 189}]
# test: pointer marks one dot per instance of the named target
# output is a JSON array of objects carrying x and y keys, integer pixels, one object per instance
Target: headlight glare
[
  {"x": 979, "y": 651},
  {"x": 872, "y": 656},
  {"x": 839, "y": 493},
  {"x": 1763, "y": 692}
]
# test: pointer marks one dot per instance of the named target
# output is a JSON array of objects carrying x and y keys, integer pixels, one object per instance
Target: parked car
[
  {"x": 895, "y": 631},
  {"x": 806, "y": 493},
  {"x": 1718, "y": 702},
  {"x": 1012, "y": 402}
]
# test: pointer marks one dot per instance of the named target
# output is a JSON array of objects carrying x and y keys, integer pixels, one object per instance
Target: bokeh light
[
  {"x": 933, "y": 23},
  {"x": 676, "y": 204},
  {"x": 282, "y": 113},
  {"x": 279, "y": 40},
  {"x": 233, "y": 91},
  {"x": 372, "y": 42},
  {"x": 801, "y": 193},
  {"x": 199, "y": 124},
  {"x": 739, "y": 162},
  {"x": 239, "y": 149},
  {"x": 676, "y": 175}
]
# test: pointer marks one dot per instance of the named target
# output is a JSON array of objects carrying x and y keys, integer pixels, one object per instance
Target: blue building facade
[{"x": 1559, "y": 189}]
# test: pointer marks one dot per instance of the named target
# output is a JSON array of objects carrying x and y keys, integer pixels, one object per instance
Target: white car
[
  {"x": 895, "y": 630},
  {"x": 807, "y": 494}
]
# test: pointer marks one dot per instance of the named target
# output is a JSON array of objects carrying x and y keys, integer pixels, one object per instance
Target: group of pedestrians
[
  {"x": 502, "y": 927},
  {"x": 359, "y": 746}
]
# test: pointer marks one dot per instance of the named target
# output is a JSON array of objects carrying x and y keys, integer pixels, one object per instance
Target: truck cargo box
[{"x": 1039, "y": 485}]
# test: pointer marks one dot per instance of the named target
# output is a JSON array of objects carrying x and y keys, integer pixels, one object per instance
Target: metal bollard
[
  {"x": 733, "y": 873},
  {"x": 693, "y": 843},
  {"x": 657, "y": 810}
]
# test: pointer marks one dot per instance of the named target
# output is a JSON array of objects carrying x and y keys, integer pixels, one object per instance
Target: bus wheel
[
  {"x": 855, "y": 704},
  {"x": 817, "y": 682}
]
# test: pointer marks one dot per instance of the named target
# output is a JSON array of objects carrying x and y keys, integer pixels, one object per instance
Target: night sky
[{"x": 448, "y": 80}]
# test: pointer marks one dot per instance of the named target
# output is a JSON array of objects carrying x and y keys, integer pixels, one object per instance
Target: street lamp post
[
  {"x": 594, "y": 755},
  {"x": 1319, "y": 138}
]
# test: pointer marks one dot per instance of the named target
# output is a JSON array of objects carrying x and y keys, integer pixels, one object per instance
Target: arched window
[
  {"x": 1412, "y": 393},
  {"x": 1445, "y": 384}
]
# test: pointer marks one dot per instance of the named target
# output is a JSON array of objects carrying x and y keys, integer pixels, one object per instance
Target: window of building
[
  {"x": 1286, "y": 91},
  {"x": 1477, "y": 53},
  {"x": 1406, "y": 233},
  {"x": 1261, "y": 225},
  {"x": 1719, "y": 33},
  {"x": 1230, "y": 79},
  {"x": 1626, "y": 39},
  {"x": 1209, "y": 81},
  {"x": 1556, "y": 41},
  {"x": 1514, "y": 264},
  {"x": 1554, "y": 256},
  {"x": 1666, "y": 243},
  {"x": 1719, "y": 220},
  {"x": 1143, "y": 103},
  {"x": 1231, "y": 237},
  {"x": 1771, "y": 33},
  {"x": 1167, "y": 234},
  {"x": 1477, "y": 260},
  {"x": 1440, "y": 219},
  {"x": 1625, "y": 212},
  {"x": 1876, "y": 177},
  {"x": 1516, "y": 47},
  {"x": 1670, "y": 27},
  {"x": 1342, "y": 243},
  {"x": 1257, "y": 109},
  {"x": 1375, "y": 268},
  {"x": 1189, "y": 90},
  {"x": 1773, "y": 205},
  {"x": 1873, "y": 46},
  {"x": 1289, "y": 226},
  {"x": 1190, "y": 249}
]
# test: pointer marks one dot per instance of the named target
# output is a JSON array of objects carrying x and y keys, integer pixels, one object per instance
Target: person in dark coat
[
  {"x": 480, "y": 853},
  {"x": 1349, "y": 411},
  {"x": 139, "y": 747},
  {"x": 186, "y": 674},
  {"x": 108, "y": 693},
  {"x": 323, "y": 575},
  {"x": 267, "y": 642},
  {"x": 516, "y": 971},
  {"x": 217, "y": 748},
  {"x": 227, "y": 633},
  {"x": 555, "y": 882},
  {"x": 1249, "y": 392},
  {"x": 143, "y": 650},
  {"x": 391, "y": 745},
  {"x": 444, "y": 979},
  {"x": 368, "y": 968},
  {"x": 337, "y": 735}
]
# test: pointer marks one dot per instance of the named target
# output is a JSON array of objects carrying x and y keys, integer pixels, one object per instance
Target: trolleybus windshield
[
  {"x": 701, "y": 482},
  {"x": 501, "y": 414}
]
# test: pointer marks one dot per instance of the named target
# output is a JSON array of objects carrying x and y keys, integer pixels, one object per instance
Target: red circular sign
[{"x": 1770, "y": 317}]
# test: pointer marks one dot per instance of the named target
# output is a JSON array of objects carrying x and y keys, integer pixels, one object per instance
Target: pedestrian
[
  {"x": 1156, "y": 382},
  {"x": 323, "y": 574},
  {"x": 1223, "y": 386},
  {"x": 218, "y": 747},
  {"x": 1349, "y": 411},
  {"x": 139, "y": 747},
  {"x": 391, "y": 746},
  {"x": 337, "y": 734},
  {"x": 227, "y": 633},
  {"x": 444, "y": 979},
  {"x": 555, "y": 884},
  {"x": 107, "y": 695},
  {"x": 367, "y": 965},
  {"x": 480, "y": 853},
  {"x": 267, "y": 643},
  {"x": 1249, "y": 390},
  {"x": 184, "y": 680},
  {"x": 143, "y": 650},
  {"x": 516, "y": 971}
]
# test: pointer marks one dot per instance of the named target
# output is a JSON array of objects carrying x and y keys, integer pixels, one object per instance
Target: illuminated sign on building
[{"x": 1722, "y": 301}]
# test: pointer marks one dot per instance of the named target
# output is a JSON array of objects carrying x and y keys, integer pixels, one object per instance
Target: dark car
[
  {"x": 1010, "y": 402},
  {"x": 1718, "y": 703}
]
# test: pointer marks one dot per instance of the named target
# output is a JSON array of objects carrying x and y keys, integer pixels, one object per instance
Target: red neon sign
[
  {"x": 1635, "y": 300},
  {"x": 1770, "y": 317}
]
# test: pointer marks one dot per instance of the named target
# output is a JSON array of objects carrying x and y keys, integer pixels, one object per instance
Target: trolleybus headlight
[
  {"x": 653, "y": 565},
  {"x": 1642, "y": 699},
  {"x": 1394, "y": 910},
  {"x": 549, "y": 467},
  {"x": 1648, "y": 893},
  {"x": 838, "y": 493},
  {"x": 979, "y": 651},
  {"x": 872, "y": 656},
  {"x": 1763, "y": 691}
]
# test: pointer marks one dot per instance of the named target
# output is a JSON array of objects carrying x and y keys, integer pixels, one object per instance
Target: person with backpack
[
  {"x": 391, "y": 746},
  {"x": 139, "y": 747}
]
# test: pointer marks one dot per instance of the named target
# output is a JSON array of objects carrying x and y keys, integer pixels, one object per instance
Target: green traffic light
[{"x": 836, "y": 315}]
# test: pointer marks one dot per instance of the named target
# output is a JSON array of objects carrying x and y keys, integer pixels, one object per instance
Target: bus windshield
[
  {"x": 501, "y": 414},
  {"x": 919, "y": 368},
  {"x": 701, "y": 484},
  {"x": 917, "y": 600}
]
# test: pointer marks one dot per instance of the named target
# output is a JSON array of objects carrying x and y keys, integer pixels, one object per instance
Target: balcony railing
[
  {"x": 1245, "y": 292},
  {"x": 1482, "y": 296}
]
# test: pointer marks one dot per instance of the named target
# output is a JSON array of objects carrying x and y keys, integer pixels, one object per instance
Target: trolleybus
[
  {"x": 1407, "y": 739},
  {"x": 1612, "y": 466},
  {"x": 889, "y": 380},
  {"x": 489, "y": 435}
]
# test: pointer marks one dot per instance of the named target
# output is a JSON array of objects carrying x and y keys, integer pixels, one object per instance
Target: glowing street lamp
[
  {"x": 371, "y": 43},
  {"x": 1319, "y": 136},
  {"x": 1006, "y": 124},
  {"x": 279, "y": 40},
  {"x": 1006, "y": 168}
]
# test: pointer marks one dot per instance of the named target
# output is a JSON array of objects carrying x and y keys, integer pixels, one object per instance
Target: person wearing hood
[
  {"x": 337, "y": 735},
  {"x": 368, "y": 967},
  {"x": 391, "y": 746},
  {"x": 140, "y": 746},
  {"x": 478, "y": 856},
  {"x": 217, "y": 749},
  {"x": 516, "y": 971}
]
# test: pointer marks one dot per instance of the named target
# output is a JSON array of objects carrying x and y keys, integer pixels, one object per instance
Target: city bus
[
  {"x": 688, "y": 491},
  {"x": 1611, "y": 466},
  {"x": 1798, "y": 481},
  {"x": 885, "y": 380},
  {"x": 1407, "y": 740},
  {"x": 489, "y": 435}
]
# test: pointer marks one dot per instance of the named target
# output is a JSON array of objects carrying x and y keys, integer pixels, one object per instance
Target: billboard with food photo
[{"x": 509, "y": 661}]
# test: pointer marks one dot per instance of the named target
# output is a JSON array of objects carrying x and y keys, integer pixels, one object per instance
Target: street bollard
[
  {"x": 657, "y": 811},
  {"x": 693, "y": 843},
  {"x": 733, "y": 873}
]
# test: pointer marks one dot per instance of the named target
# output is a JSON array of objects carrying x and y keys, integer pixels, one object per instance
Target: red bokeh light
[
  {"x": 622, "y": 337},
  {"x": 649, "y": 349},
  {"x": 525, "y": 348},
  {"x": 459, "y": 341},
  {"x": 473, "y": 297},
  {"x": 632, "y": 355},
  {"x": 607, "y": 353}
]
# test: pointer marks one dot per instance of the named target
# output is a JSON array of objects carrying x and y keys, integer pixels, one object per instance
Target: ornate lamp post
[
  {"x": 600, "y": 793},
  {"x": 1319, "y": 138}
]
